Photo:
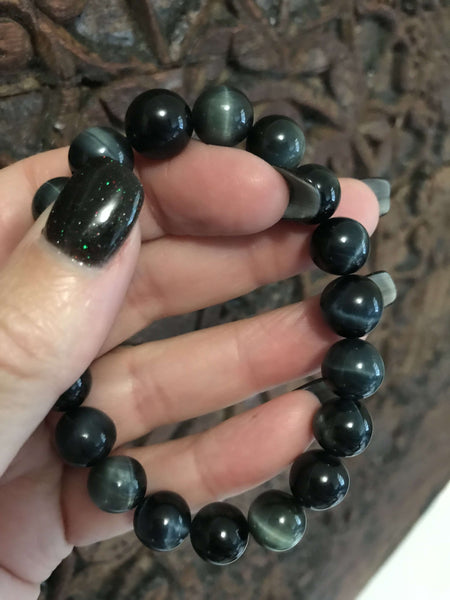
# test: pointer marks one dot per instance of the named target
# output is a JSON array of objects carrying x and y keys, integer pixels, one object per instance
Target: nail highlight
[{"x": 95, "y": 212}]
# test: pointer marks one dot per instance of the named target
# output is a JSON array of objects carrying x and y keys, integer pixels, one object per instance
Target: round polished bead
[
  {"x": 117, "y": 484},
  {"x": 278, "y": 140},
  {"x": 340, "y": 246},
  {"x": 328, "y": 186},
  {"x": 47, "y": 194},
  {"x": 162, "y": 521},
  {"x": 222, "y": 115},
  {"x": 318, "y": 481},
  {"x": 84, "y": 436},
  {"x": 100, "y": 142},
  {"x": 276, "y": 520},
  {"x": 352, "y": 305},
  {"x": 158, "y": 124},
  {"x": 219, "y": 533},
  {"x": 343, "y": 428},
  {"x": 353, "y": 369},
  {"x": 76, "y": 394}
]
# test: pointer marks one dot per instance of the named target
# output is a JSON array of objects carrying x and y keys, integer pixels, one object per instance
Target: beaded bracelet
[{"x": 159, "y": 124}]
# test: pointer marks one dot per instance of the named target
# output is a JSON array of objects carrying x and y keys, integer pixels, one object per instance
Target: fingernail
[
  {"x": 386, "y": 284},
  {"x": 382, "y": 190},
  {"x": 304, "y": 199},
  {"x": 95, "y": 212},
  {"x": 319, "y": 388}
]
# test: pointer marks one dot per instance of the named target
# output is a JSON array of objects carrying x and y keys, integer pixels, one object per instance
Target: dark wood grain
[{"x": 370, "y": 83}]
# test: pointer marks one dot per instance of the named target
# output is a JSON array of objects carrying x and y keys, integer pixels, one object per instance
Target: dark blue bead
[
  {"x": 328, "y": 186},
  {"x": 352, "y": 305},
  {"x": 343, "y": 428},
  {"x": 219, "y": 533},
  {"x": 84, "y": 436},
  {"x": 278, "y": 140},
  {"x": 158, "y": 124},
  {"x": 100, "y": 142},
  {"x": 276, "y": 520},
  {"x": 222, "y": 115},
  {"x": 76, "y": 394},
  {"x": 47, "y": 194},
  {"x": 353, "y": 369},
  {"x": 340, "y": 246},
  {"x": 318, "y": 481},
  {"x": 162, "y": 521},
  {"x": 117, "y": 484}
]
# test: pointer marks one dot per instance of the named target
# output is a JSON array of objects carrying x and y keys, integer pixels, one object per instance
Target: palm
[{"x": 44, "y": 507}]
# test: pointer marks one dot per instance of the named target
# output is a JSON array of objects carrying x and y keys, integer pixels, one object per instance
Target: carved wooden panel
[{"x": 369, "y": 80}]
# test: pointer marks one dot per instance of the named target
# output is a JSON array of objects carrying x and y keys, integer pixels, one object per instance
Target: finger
[
  {"x": 176, "y": 275},
  {"x": 175, "y": 379},
  {"x": 236, "y": 455},
  {"x": 47, "y": 298},
  {"x": 213, "y": 190},
  {"x": 205, "y": 190}
]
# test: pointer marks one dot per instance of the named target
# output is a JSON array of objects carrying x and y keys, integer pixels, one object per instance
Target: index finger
[{"x": 205, "y": 190}]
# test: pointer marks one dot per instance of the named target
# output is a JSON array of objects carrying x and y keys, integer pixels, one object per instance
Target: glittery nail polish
[{"x": 95, "y": 211}]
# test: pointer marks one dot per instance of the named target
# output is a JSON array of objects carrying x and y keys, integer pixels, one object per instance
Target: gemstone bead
[
  {"x": 328, "y": 186},
  {"x": 318, "y": 481},
  {"x": 352, "y": 305},
  {"x": 343, "y": 428},
  {"x": 46, "y": 195},
  {"x": 117, "y": 484},
  {"x": 386, "y": 286},
  {"x": 100, "y": 142},
  {"x": 382, "y": 190},
  {"x": 76, "y": 394},
  {"x": 222, "y": 115},
  {"x": 162, "y": 521},
  {"x": 84, "y": 436},
  {"x": 276, "y": 521},
  {"x": 353, "y": 369},
  {"x": 340, "y": 246},
  {"x": 158, "y": 124},
  {"x": 219, "y": 533},
  {"x": 278, "y": 140}
]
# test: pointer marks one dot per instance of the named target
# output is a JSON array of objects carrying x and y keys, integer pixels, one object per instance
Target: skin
[{"x": 203, "y": 237}]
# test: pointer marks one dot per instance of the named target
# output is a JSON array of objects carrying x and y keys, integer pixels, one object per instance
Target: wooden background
[{"x": 369, "y": 82}]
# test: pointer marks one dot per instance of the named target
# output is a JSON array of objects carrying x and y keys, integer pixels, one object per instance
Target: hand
[{"x": 210, "y": 232}]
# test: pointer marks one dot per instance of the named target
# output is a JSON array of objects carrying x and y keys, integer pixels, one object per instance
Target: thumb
[{"x": 60, "y": 292}]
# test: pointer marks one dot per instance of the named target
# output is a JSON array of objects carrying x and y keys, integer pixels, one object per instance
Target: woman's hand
[{"x": 210, "y": 232}]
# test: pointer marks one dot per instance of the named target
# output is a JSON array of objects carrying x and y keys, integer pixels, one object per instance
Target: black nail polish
[
  {"x": 95, "y": 211},
  {"x": 382, "y": 190}
]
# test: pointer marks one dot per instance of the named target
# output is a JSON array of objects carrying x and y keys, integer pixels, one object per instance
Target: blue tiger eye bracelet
[{"x": 159, "y": 125}]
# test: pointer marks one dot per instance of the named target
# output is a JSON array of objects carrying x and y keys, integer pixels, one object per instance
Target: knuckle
[{"x": 25, "y": 344}]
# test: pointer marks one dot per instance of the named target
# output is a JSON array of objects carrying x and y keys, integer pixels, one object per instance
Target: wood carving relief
[{"x": 369, "y": 80}]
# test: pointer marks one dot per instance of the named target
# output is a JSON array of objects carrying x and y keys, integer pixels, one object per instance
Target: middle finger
[
  {"x": 176, "y": 275},
  {"x": 171, "y": 380}
]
